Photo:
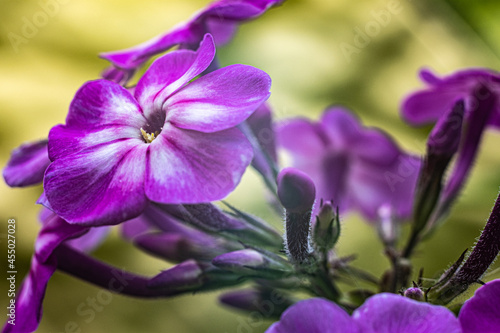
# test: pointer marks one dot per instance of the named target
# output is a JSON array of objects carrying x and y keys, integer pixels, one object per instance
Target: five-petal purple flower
[
  {"x": 173, "y": 141},
  {"x": 356, "y": 167},
  {"x": 479, "y": 89}
]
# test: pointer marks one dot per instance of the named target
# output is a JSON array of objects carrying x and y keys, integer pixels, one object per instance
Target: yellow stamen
[{"x": 149, "y": 137}]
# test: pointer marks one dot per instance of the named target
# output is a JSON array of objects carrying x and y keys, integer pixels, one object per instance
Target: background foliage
[{"x": 299, "y": 45}]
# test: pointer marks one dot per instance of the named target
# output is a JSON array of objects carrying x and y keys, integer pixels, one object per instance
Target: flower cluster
[{"x": 154, "y": 158}]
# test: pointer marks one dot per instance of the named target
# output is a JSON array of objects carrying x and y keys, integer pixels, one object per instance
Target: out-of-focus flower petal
[
  {"x": 301, "y": 137},
  {"x": 27, "y": 164},
  {"x": 353, "y": 166},
  {"x": 481, "y": 313},
  {"x": 220, "y": 18},
  {"x": 390, "y": 313},
  {"x": 425, "y": 107},
  {"x": 314, "y": 315}
]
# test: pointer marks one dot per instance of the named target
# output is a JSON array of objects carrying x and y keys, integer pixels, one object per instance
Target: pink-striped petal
[
  {"x": 171, "y": 72},
  {"x": 219, "y": 100},
  {"x": 192, "y": 167},
  {"x": 102, "y": 102},
  {"x": 101, "y": 185}
]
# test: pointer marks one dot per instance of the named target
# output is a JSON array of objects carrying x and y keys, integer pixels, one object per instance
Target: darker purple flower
[
  {"x": 27, "y": 164},
  {"x": 390, "y": 313},
  {"x": 481, "y": 313},
  {"x": 479, "y": 89},
  {"x": 382, "y": 313},
  {"x": 354, "y": 166},
  {"x": 428, "y": 105},
  {"x": 220, "y": 19},
  {"x": 173, "y": 141}
]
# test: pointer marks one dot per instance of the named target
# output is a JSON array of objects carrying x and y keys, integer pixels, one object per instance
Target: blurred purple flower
[
  {"x": 27, "y": 164},
  {"x": 390, "y": 313},
  {"x": 481, "y": 313},
  {"x": 354, "y": 166},
  {"x": 479, "y": 89},
  {"x": 174, "y": 141},
  {"x": 220, "y": 19},
  {"x": 428, "y": 105}
]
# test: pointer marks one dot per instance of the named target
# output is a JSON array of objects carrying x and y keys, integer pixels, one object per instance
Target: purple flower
[
  {"x": 173, "y": 141},
  {"x": 390, "y": 313},
  {"x": 382, "y": 313},
  {"x": 428, "y": 105},
  {"x": 220, "y": 19},
  {"x": 481, "y": 313},
  {"x": 479, "y": 89},
  {"x": 27, "y": 164},
  {"x": 354, "y": 166}
]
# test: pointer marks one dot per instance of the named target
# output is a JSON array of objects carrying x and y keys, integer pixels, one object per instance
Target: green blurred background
[{"x": 298, "y": 44}]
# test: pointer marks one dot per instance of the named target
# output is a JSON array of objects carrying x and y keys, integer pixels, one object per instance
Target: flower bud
[
  {"x": 327, "y": 227},
  {"x": 445, "y": 136},
  {"x": 442, "y": 145},
  {"x": 296, "y": 192},
  {"x": 252, "y": 262},
  {"x": 415, "y": 293},
  {"x": 482, "y": 256},
  {"x": 185, "y": 276},
  {"x": 269, "y": 302},
  {"x": 211, "y": 219},
  {"x": 177, "y": 247}
]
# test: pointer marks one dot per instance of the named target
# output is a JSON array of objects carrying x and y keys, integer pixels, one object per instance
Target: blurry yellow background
[{"x": 298, "y": 44}]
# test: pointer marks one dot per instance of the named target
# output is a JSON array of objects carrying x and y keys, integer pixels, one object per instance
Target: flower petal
[
  {"x": 102, "y": 102},
  {"x": 133, "y": 57},
  {"x": 314, "y": 315},
  {"x": 340, "y": 126},
  {"x": 193, "y": 167},
  {"x": 170, "y": 72},
  {"x": 390, "y": 313},
  {"x": 426, "y": 106},
  {"x": 66, "y": 140},
  {"x": 219, "y": 100},
  {"x": 101, "y": 185},
  {"x": 27, "y": 164},
  {"x": 481, "y": 313},
  {"x": 372, "y": 186},
  {"x": 227, "y": 13},
  {"x": 374, "y": 146},
  {"x": 301, "y": 138},
  {"x": 222, "y": 30}
]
